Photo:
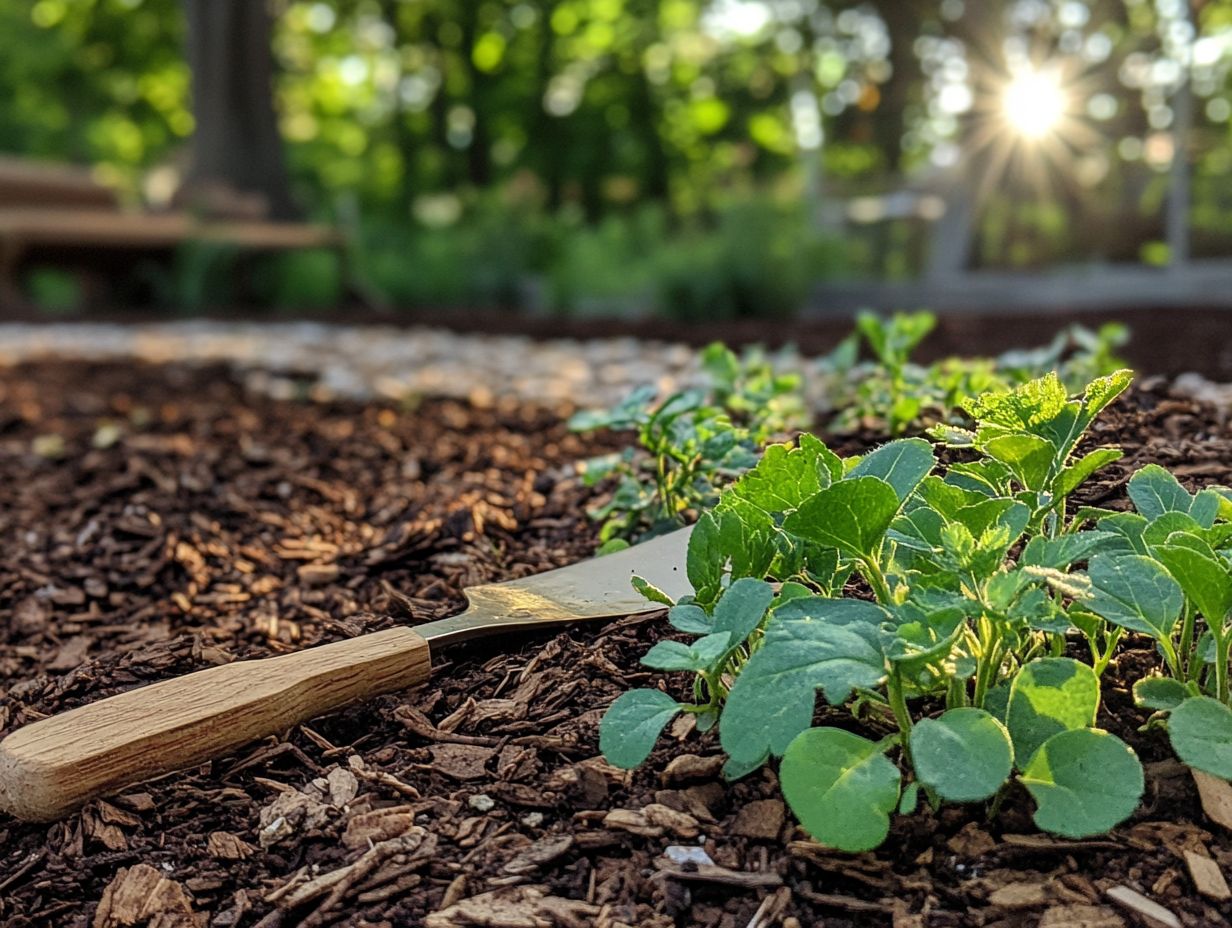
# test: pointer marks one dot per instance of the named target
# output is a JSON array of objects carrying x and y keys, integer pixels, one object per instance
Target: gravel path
[
  {"x": 360, "y": 362},
  {"x": 329, "y": 361}
]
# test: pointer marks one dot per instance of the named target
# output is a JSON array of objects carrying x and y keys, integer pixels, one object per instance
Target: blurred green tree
[{"x": 430, "y": 111}]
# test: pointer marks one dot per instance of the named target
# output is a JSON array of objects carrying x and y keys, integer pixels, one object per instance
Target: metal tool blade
[{"x": 594, "y": 589}]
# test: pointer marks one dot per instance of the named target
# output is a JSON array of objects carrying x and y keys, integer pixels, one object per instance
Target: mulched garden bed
[{"x": 158, "y": 520}]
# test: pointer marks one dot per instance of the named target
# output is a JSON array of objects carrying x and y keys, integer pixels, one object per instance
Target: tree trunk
[
  {"x": 237, "y": 162},
  {"x": 904, "y": 20}
]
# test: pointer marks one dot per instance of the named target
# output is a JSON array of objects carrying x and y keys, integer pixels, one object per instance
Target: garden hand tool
[{"x": 51, "y": 767}]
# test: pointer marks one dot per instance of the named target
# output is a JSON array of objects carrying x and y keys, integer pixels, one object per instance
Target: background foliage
[{"x": 570, "y": 142}]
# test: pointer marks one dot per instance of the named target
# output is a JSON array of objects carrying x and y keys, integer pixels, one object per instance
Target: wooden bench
[{"x": 60, "y": 216}]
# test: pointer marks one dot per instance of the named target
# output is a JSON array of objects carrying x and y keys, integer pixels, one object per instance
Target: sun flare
[{"x": 1034, "y": 103}]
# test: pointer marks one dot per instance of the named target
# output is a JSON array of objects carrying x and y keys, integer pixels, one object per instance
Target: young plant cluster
[
  {"x": 896, "y": 395},
  {"x": 940, "y": 611},
  {"x": 688, "y": 445},
  {"x": 696, "y": 441}
]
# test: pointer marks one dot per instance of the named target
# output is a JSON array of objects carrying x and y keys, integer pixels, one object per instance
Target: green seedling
[
  {"x": 895, "y": 394},
  {"x": 692, "y": 444},
  {"x": 968, "y": 590},
  {"x": 1167, "y": 576},
  {"x": 1027, "y": 437},
  {"x": 689, "y": 445}
]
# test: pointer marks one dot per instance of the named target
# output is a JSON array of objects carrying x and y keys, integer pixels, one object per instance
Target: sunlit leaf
[
  {"x": 851, "y": 515},
  {"x": 1200, "y": 730},
  {"x": 841, "y": 787},
  {"x": 902, "y": 464},
  {"x": 1050, "y": 695},
  {"x": 1084, "y": 782},
  {"x": 1134, "y": 592},
  {"x": 964, "y": 755}
]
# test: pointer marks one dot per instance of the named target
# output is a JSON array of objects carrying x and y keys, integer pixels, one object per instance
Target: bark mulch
[{"x": 158, "y": 520}]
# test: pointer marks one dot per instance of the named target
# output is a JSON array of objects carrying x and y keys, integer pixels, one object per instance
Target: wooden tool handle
[{"x": 51, "y": 767}]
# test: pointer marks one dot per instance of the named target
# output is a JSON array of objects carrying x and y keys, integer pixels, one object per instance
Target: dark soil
[{"x": 159, "y": 520}]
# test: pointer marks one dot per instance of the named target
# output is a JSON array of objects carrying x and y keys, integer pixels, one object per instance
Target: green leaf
[
  {"x": 1196, "y": 538},
  {"x": 1050, "y": 695},
  {"x": 629, "y": 413},
  {"x": 706, "y": 557},
  {"x": 748, "y": 537},
  {"x": 1200, "y": 729},
  {"x": 841, "y": 787},
  {"x": 922, "y": 636},
  {"x": 690, "y": 618},
  {"x": 742, "y": 607},
  {"x": 1204, "y": 579},
  {"x": 903, "y": 412},
  {"x": 1131, "y": 528},
  {"x": 1103, "y": 390},
  {"x": 892, "y": 339},
  {"x": 919, "y": 528},
  {"x": 785, "y": 477},
  {"x": 735, "y": 768},
  {"x": 1042, "y": 612},
  {"x": 1029, "y": 457},
  {"x": 1084, "y": 782},
  {"x": 792, "y": 590},
  {"x": 1160, "y": 529},
  {"x": 964, "y": 755},
  {"x": 740, "y": 535},
  {"x": 902, "y": 464},
  {"x": 828, "y": 644},
  {"x": 632, "y": 725},
  {"x": 1030, "y": 404},
  {"x": 1223, "y": 501},
  {"x": 951, "y": 435},
  {"x": 851, "y": 515},
  {"x": 1160, "y": 694},
  {"x": 997, "y": 702},
  {"x": 980, "y": 517},
  {"x": 946, "y": 498},
  {"x": 648, "y": 589},
  {"x": 910, "y": 799},
  {"x": 676, "y": 655},
  {"x": 985, "y": 476},
  {"x": 1205, "y": 507},
  {"x": 721, "y": 363},
  {"x": 1077, "y": 473},
  {"x": 1134, "y": 592},
  {"x": 1060, "y": 552},
  {"x": 1155, "y": 491}
]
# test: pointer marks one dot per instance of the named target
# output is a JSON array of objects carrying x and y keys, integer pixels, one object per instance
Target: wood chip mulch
[{"x": 158, "y": 520}]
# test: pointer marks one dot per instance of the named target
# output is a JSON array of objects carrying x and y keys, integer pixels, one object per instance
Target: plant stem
[
  {"x": 1170, "y": 657},
  {"x": 1223, "y": 641},
  {"x": 1101, "y": 662},
  {"x": 989, "y": 660},
  {"x": 956, "y": 694},
  {"x": 1053, "y": 519},
  {"x": 876, "y": 579},
  {"x": 1187, "y": 634},
  {"x": 995, "y": 806},
  {"x": 898, "y": 702}
]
